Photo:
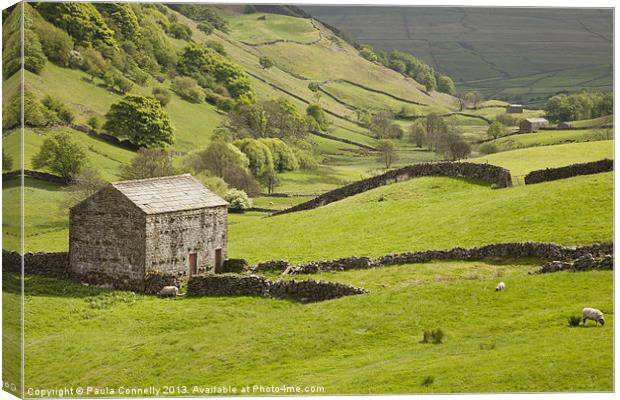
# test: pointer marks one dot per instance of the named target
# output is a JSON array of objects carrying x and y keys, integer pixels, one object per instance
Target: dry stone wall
[
  {"x": 254, "y": 285},
  {"x": 490, "y": 173},
  {"x": 544, "y": 251},
  {"x": 552, "y": 174},
  {"x": 586, "y": 262},
  {"x": 54, "y": 265}
]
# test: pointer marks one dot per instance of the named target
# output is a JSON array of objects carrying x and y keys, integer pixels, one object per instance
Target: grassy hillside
[
  {"x": 547, "y": 138},
  {"x": 493, "y": 342},
  {"x": 496, "y": 51},
  {"x": 522, "y": 161},
  {"x": 429, "y": 213},
  {"x": 250, "y": 29}
]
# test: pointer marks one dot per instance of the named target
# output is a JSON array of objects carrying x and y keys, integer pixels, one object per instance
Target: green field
[
  {"x": 432, "y": 213},
  {"x": 522, "y": 161},
  {"x": 259, "y": 28},
  {"x": 547, "y": 138}
]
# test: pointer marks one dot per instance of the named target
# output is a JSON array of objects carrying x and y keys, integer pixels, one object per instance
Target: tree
[
  {"x": 496, "y": 129},
  {"x": 429, "y": 82},
  {"x": 141, "y": 120},
  {"x": 387, "y": 152},
  {"x": 188, "y": 89},
  {"x": 461, "y": 99},
  {"x": 93, "y": 62},
  {"x": 283, "y": 121},
  {"x": 61, "y": 155},
  {"x": 220, "y": 156},
  {"x": 283, "y": 156},
  {"x": 454, "y": 146},
  {"x": 417, "y": 133},
  {"x": 269, "y": 178},
  {"x": 446, "y": 85},
  {"x": 473, "y": 97},
  {"x": 380, "y": 124},
  {"x": 7, "y": 161},
  {"x": 316, "y": 112},
  {"x": 435, "y": 127},
  {"x": 94, "y": 122},
  {"x": 206, "y": 27},
  {"x": 148, "y": 163},
  {"x": 55, "y": 42},
  {"x": 265, "y": 62},
  {"x": 179, "y": 31},
  {"x": 259, "y": 156},
  {"x": 83, "y": 184}
]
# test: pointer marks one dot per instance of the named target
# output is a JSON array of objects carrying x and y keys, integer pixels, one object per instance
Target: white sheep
[
  {"x": 169, "y": 291},
  {"x": 593, "y": 314},
  {"x": 500, "y": 286}
]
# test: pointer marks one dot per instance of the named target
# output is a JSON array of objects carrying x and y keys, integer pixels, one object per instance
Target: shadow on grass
[{"x": 42, "y": 286}]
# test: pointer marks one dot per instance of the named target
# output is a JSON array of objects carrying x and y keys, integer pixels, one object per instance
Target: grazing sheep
[
  {"x": 500, "y": 286},
  {"x": 594, "y": 315},
  {"x": 169, "y": 291}
]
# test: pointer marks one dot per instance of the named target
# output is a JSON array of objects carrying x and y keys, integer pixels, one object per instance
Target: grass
[
  {"x": 547, "y": 138},
  {"x": 258, "y": 28},
  {"x": 515, "y": 341},
  {"x": 520, "y": 162},
  {"x": 433, "y": 213}
]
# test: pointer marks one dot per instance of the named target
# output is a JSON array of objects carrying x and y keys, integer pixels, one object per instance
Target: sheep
[
  {"x": 500, "y": 286},
  {"x": 593, "y": 314},
  {"x": 169, "y": 291}
]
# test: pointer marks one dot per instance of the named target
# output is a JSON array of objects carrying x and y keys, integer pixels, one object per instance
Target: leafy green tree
[
  {"x": 496, "y": 129},
  {"x": 217, "y": 46},
  {"x": 473, "y": 97},
  {"x": 93, "y": 62},
  {"x": 94, "y": 122},
  {"x": 141, "y": 120},
  {"x": 148, "y": 163},
  {"x": 265, "y": 62},
  {"x": 283, "y": 156},
  {"x": 61, "y": 155},
  {"x": 269, "y": 178},
  {"x": 283, "y": 121},
  {"x": 179, "y": 31},
  {"x": 446, "y": 85},
  {"x": 429, "y": 82},
  {"x": 316, "y": 112},
  {"x": 80, "y": 20},
  {"x": 62, "y": 111},
  {"x": 206, "y": 27},
  {"x": 417, "y": 133},
  {"x": 454, "y": 146},
  {"x": 55, "y": 43},
  {"x": 220, "y": 156},
  {"x": 368, "y": 53},
  {"x": 387, "y": 152},
  {"x": 259, "y": 156},
  {"x": 121, "y": 19}
]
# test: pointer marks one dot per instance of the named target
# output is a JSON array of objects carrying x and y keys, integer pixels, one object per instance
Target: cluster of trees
[
  {"x": 468, "y": 99},
  {"x": 441, "y": 135},
  {"x": 382, "y": 126},
  {"x": 37, "y": 113},
  {"x": 580, "y": 105},
  {"x": 409, "y": 65}
]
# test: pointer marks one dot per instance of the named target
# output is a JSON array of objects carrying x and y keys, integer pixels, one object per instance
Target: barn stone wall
[
  {"x": 171, "y": 237},
  {"x": 552, "y": 174},
  {"x": 106, "y": 241},
  {"x": 490, "y": 173}
]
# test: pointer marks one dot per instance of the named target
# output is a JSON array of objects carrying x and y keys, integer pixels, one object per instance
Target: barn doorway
[
  {"x": 193, "y": 263},
  {"x": 218, "y": 261}
]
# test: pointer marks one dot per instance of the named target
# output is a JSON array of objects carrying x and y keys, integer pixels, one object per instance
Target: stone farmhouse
[
  {"x": 530, "y": 125},
  {"x": 131, "y": 230},
  {"x": 514, "y": 108}
]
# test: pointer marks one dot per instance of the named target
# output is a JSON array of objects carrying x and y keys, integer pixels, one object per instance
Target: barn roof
[
  {"x": 168, "y": 194},
  {"x": 534, "y": 120}
]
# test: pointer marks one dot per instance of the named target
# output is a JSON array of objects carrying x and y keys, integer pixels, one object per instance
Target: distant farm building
[
  {"x": 565, "y": 125},
  {"x": 533, "y": 125},
  {"x": 128, "y": 230},
  {"x": 514, "y": 108}
]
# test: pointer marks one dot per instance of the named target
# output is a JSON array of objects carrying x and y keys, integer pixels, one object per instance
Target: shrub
[
  {"x": 265, "y": 62},
  {"x": 94, "y": 122},
  {"x": 61, "y": 155},
  {"x": 238, "y": 200},
  {"x": 188, "y": 89},
  {"x": 206, "y": 27},
  {"x": 434, "y": 336},
  {"x": 56, "y": 43},
  {"x": 55, "y": 105},
  {"x": 217, "y": 46},
  {"x": 179, "y": 31},
  {"x": 488, "y": 148},
  {"x": 574, "y": 320},
  {"x": 162, "y": 95}
]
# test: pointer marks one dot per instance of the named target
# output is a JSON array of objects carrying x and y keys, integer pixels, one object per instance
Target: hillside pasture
[
  {"x": 335, "y": 344},
  {"x": 434, "y": 213},
  {"x": 547, "y": 138},
  {"x": 260, "y": 28}
]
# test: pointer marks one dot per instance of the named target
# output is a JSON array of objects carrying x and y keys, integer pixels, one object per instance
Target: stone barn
[
  {"x": 514, "y": 108},
  {"x": 130, "y": 231},
  {"x": 530, "y": 125}
]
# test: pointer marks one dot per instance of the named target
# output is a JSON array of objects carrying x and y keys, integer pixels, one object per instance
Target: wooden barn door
[
  {"x": 218, "y": 260},
  {"x": 193, "y": 264}
]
